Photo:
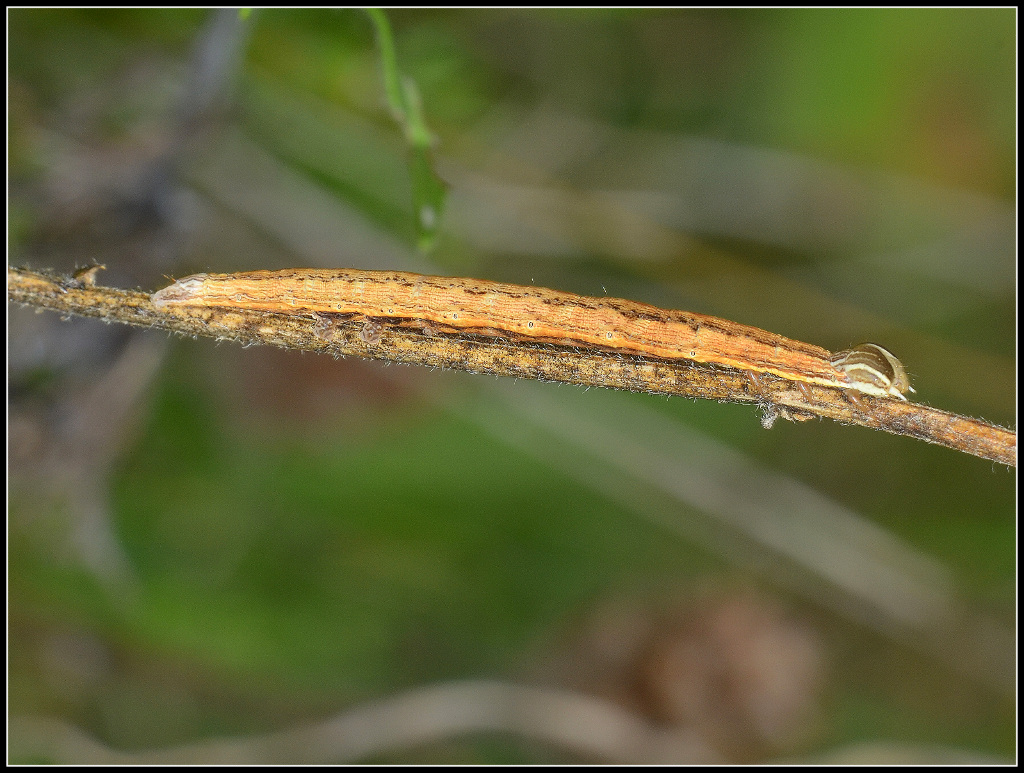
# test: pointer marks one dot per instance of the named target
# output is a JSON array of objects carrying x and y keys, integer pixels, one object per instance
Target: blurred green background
[{"x": 210, "y": 541}]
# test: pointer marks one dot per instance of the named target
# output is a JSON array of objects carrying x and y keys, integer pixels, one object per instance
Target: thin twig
[
  {"x": 522, "y": 359},
  {"x": 593, "y": 727}
]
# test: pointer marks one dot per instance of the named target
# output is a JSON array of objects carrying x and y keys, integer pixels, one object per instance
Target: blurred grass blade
[{"x": 428, "y": 190}]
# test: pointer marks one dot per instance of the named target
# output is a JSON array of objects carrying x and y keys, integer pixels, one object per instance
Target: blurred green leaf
[{"x": 428, "y": 190}]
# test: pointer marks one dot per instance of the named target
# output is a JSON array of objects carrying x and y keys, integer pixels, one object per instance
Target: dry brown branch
[{"x": 79, "y": 295}]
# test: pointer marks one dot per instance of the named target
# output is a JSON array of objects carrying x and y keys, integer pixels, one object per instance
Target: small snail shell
[{"x": 873, "y": 370}]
